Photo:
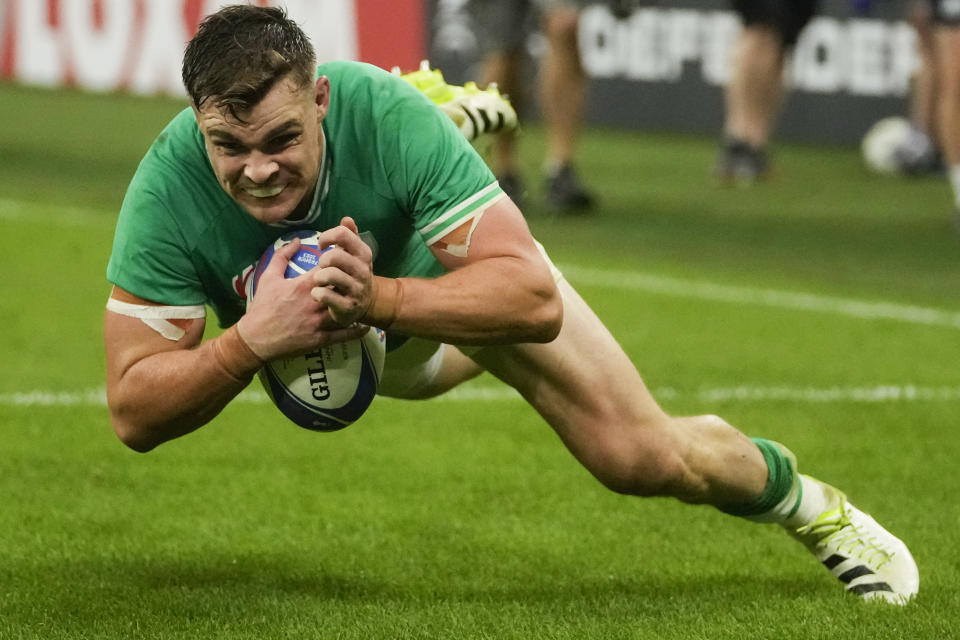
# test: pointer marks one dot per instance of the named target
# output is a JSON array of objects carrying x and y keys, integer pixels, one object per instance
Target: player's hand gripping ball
[{"x": 331, "y": 387}]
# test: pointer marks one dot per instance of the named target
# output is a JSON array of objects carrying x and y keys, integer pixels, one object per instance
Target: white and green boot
[{"x": 867, "y": 558}]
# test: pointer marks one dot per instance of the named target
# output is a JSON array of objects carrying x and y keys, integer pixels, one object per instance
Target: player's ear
[{"x": 322, "y": 96}]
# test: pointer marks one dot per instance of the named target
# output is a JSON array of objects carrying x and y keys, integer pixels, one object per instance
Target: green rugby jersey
[{"x": 392, "y": 161}]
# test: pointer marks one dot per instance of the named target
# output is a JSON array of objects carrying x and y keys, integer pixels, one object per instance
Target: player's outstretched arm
[
  {"x": 160, "y": 387},
  {"x": 500, "y": 289}
]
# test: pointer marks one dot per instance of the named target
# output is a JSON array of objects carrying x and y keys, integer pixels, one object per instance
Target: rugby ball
[
  {"x": 881, "y": 142},
  {"x": 328, "y": 388}
]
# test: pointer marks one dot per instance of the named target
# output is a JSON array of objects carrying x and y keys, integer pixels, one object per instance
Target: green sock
[{"x": 782, "y": 489}]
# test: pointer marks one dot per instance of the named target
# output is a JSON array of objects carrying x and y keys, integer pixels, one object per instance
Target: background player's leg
[
  {"x": 755, "y": 91},
  {"x": 563, "y": 90},
  {"x": 948, "y": 105}
]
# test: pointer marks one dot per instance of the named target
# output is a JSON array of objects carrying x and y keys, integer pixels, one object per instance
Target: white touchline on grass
[
  {"x": 12, "y": 209},
  {"x": 748, "y": 393},
  {"x": 703, "y": 290},
  {"x": 19, "y": 210},
  {"x": 881, "y": 393},
  {"x": 634, "y": 281}
]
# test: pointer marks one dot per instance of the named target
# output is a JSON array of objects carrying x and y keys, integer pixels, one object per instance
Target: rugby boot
[{"x": 870, "y": 561}]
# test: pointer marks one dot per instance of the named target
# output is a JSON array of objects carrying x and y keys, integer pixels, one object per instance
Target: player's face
[{"x": 269, "y": 162}]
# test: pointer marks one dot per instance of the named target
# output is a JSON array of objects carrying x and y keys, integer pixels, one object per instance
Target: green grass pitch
[{"x": 821, "y": 310}]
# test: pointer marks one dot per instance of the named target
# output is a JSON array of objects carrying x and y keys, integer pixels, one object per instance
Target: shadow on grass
[
  {"x": 216, "y": 586},
  {"x": 272, "y": 594}
]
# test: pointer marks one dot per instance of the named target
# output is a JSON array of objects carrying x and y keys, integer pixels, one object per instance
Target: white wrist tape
[{"x": 158, "y": 317}]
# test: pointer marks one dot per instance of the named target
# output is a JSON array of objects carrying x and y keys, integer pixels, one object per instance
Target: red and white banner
[{"x": 137, "y": 45}]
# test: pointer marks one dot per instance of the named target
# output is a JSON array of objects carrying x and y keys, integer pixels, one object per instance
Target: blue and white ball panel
[
  {"x": 329, "y": 388},
  {"x": 305, "y": 259}
]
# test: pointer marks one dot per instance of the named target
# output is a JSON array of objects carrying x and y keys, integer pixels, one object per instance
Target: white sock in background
[{"x": 954, "y": 174}]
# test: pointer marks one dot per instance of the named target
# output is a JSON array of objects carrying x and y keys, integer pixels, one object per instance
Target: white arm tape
[{"x": 158, "y": 317}]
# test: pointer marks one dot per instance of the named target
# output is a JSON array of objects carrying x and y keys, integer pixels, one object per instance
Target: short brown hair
[{"x": 240, "y": 52}]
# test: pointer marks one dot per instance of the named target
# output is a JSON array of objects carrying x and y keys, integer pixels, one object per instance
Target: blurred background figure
[
  {"x": 946, "y": 65},
  {"x": 561, "y": 83},
  {"x": 754, "y": 93},
  {"x": 919, "y": 154},
  {"x": 929, "y": 141}
]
